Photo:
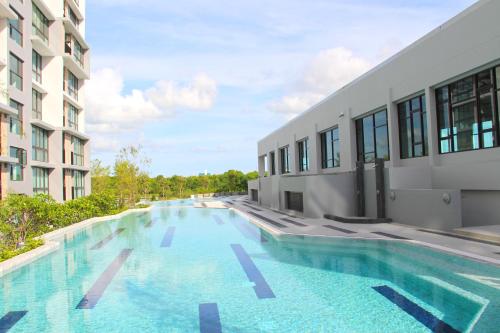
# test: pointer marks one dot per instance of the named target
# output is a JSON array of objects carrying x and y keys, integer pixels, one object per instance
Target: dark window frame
[
  {"x": 39, "y": 144},
  {"x": 285, "y": 160},
  {"x": 422, "y": 113},
  {"x": 324, "y": 152},
  {"x": 36, "y": 104},
  {"x": 41, "y": 173},
  {"x": 17, "y": 74},
  {"x": 360, "y": 136},
  {"x": 36, "y": 66},
  {"x": 303, "y": 154},
  {"x": 475, "y": 101},
  {"x": 273, "y": 163},
  {"x": 17, "y": 31}
]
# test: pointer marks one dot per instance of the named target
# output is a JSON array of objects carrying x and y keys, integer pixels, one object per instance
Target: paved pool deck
[{"x": 281, "y": 225}]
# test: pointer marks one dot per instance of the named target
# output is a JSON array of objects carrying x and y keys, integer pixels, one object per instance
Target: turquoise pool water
[{"x": 184, "y": 269}]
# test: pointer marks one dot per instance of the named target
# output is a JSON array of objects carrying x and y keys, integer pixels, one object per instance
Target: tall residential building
[
  {"x": 429, "y": 116},
  {"x": 44, "y": 62}
]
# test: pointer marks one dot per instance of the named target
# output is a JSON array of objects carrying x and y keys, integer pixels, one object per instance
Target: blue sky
[{"x": 198, "y": 83}]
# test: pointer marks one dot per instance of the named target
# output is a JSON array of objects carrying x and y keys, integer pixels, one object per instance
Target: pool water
[{"x": 184, "y": 269}]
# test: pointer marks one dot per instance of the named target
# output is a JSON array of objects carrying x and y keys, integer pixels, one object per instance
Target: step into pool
[{"x": 183, "y": 269}]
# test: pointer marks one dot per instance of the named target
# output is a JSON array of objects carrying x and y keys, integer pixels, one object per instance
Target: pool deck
[{"x": 281, "y": 225}]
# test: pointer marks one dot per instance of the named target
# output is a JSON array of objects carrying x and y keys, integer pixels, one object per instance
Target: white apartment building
[
  {"x": 44, "y": 62},
  {"x": 430, "y": 114}
]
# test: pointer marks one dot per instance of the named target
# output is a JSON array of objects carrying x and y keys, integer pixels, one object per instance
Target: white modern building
[
  {"x": 44, "y": 62},
  {"x": 431, "y": 112}
]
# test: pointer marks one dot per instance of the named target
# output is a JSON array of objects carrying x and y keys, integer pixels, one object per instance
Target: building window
[
  {"x": 36, "y": 103},
  {"x": 372, "y": 137},
  {"x": 330, "y": 149},
  {"x": 72, "y": 113},
  {"x": 40, "y": 144},
  {"x": 466, "y": 113},
  {"x": 413, "y": 128},
  {"x": 16, "y": 123},
  {"x": 16, "y": 72},
  {"x": 303, "y": 148},
  {"x": 70, "y": 14},
  {"x": 40, "y": 24},
  {"x": 285, "y": 160},
  {"x": 36, "y": 66},
  {"x": 74, "y": 48},
  {"x": 77, "y": 154},
  {"x": 273, "y": 163},
  {"x": 16, "y": 28},
  {"x": 16, "y": 169},
  {"x": 40, "y": 181},
  {"x": 71, "y": 84},
  {"x": 78, "y": 190}
]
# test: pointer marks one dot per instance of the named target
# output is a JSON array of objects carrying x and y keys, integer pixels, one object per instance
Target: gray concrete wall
[
  {"x": 480, "y": 208},
  {"x": 426, "y": 208}
]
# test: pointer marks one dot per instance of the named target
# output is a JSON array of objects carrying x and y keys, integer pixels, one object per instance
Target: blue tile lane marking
[
  {"x": 10, "y": 319},
  {"x": 261, "y": 288},
  {"x": 423, "y": 316},
  {"x": 209, "y": 318},
  {"x": 89, "y": 301},
  {"x": 167, "y": 239},
  {"x": 389, "y": 235},
  {"x": 249, "y": 231},
  {"x": 150, "y": 223},
  {"x": 107, "y": 239},
  {"x": 218, "y": 219}
]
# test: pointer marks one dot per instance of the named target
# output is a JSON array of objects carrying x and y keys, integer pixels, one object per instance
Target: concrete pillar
[
  {"x": 262, "y": 166},
  {"x": 314, "y": 151},
  {"x": 432, "y": 127},
  {"x": 294, "y": 156},
  {"x": 4, "y": 179},
  {"x": 4, "y": 135},
  {"x": 393, "y": 125},
  {"x": 348, "y": 148}
]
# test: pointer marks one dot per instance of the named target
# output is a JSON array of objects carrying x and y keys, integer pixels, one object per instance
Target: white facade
[
  {"x": 417, "y": 189},
  {"x": 44, "y": 62}
]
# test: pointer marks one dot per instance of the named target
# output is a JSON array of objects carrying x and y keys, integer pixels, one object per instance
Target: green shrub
[{"x": 23, "y": 218}]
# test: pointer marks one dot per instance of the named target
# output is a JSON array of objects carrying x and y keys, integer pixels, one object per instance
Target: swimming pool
[{"x": 184, "y": 269}]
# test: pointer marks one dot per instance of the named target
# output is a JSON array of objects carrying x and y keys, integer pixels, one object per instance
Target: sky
[{"x": 197, "y": 83}]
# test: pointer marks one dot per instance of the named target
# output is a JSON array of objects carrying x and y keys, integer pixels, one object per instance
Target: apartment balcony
[
  {"x": 75, "y": 7},
  {"x": 38, "y": 87},
  {"x": 77, "y": 167},
  {"x": 5, "y": 11},
  {"x": 70, "y": 99},
  {"x": 71, "y": 29},
  {"x": 8, "y": 110},
  {"x": 42, "y": 124},
  {"x": 77, "y": 64},
  {"x": 40, "y": 44},
  {"x": 75, "y": 133}
]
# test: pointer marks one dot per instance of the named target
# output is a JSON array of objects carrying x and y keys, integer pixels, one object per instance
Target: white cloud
[
  {"x": 199, "y": 95},
  {"x": 110, "y": 111},
  {"x": 329, "y": 71}
]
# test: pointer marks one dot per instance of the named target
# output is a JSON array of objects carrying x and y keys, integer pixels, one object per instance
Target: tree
[{"x": 100, "y": 176}]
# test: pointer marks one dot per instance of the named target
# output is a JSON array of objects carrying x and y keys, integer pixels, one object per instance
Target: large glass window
[
  {"x": 71, "y": 84},
  {"x": 16, "y": 72},
  {"x": 330, "y": 149},
  {"x": 16, "y": 123},
  {"x": 413, "y": 128},
  {"x": 466, "y": 113},
  {"x": 36, "y": 66},
  {"x": 285, "y": 160},
  {"x": 40, "y": 181},
  {"x": 78, "y": 184},
  {"x": 77, "y": 154},
  {"x": 40, "y": 24},
  {"x": 69, "y": 13},
  {"x": 72, "y": 116},
  {"x": 16, "y": 169},
  {"x": 40, "y": 144},
  {"x": 303, "y": 148},
  {"x": 16, "y": 28},
  {"x": 36, "y": 103},
  {"x": 372, "y": 137},
  {"x": 273, "y": 163}
]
